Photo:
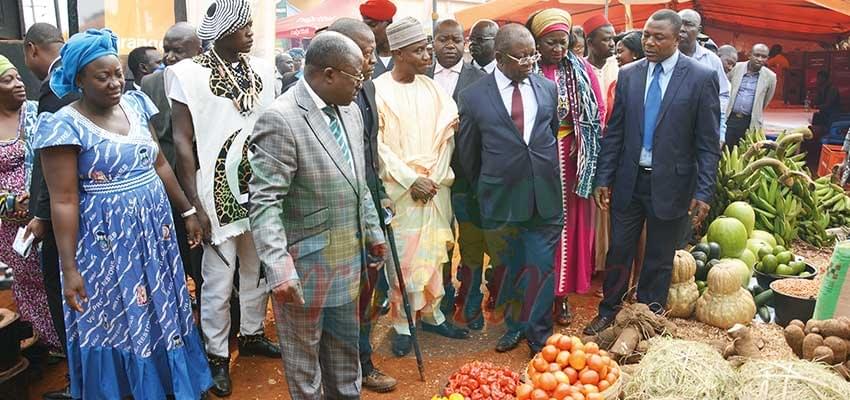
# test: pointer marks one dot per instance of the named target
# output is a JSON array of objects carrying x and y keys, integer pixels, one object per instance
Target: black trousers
[
  {"x": 662, "y": 238},
  {"x": 49, "y": 258},
  {"x": 736, "y": 127}
]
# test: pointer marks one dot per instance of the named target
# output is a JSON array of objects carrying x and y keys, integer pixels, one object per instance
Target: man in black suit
[
  {"x": 657, "y": 163},
  {"x": 41, "y": 55},
  {"x": 378, "y": 14},
  {"x": 142, "y": 61},
  {"x": 453, "y": 75},
  {"x": 359, "y": 32},
  {"x": 180, "y": 42},
  {"x": 507, "y": 150}
]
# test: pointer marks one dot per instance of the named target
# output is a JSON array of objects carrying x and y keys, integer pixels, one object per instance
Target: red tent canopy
[
  {"x": 304, "y": 25},
  {"x": 814, "y": 20}
]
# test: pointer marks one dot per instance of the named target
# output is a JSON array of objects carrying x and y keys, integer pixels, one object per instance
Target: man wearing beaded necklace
[{"x": 216, "y": 99}]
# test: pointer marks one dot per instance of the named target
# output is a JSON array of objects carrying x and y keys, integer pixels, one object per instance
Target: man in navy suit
[
  {"x": 657, "y": 164},
  {"x": 507, "y": 150}
]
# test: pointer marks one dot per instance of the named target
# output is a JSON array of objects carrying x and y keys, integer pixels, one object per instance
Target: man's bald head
[
  {"x": 728, "y": 55},
  {"x": 511, "y": 35},
  {"x": 180, "y": 42},
  {"x": 447, "y": 25},
  {"x": 333, "y": 68},
  {"x": 691, "y": 25},
  {"x": 481, "y": 41},
  {"x": 692, "y": 16},
  {"x": 514, "y": 42},
  {"x": 448, "y": 43},
  {"x": 362, "y": 36},
  {"x": 758, "y": 57}
]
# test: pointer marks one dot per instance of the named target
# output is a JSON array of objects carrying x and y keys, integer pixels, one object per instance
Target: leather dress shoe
[
  {"x": 258, "y": 345},
  {"x": 64, "y": 394},
  {"x": 379, "y": 382},
  {"x": 477, "y": 323},
  {"x": 598, "y": 324},
  {"x": 509, "y": 341},
  {"x": 402, "y": 345},
  {"x": 446, "y": 329},
  {"x": 220, "y": 369},
  {"x": 563, "y": 316}
]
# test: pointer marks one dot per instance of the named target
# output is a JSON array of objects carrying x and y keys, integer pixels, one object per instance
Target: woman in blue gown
[{"x": 128, "y": 317}]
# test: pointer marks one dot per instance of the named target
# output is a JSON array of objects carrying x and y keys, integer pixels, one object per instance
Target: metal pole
[
  {"x": 606, "y": 8},
  {"x": 73, "y": 18},
  {"x": 57, "y": 14}
]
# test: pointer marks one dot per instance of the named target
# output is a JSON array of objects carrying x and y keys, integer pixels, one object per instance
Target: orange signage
[{"x": 138, "y": 22}]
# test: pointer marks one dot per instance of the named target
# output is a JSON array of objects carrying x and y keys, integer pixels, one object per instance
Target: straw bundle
[
  {"x": 790, "y": 380},
  {"x": 681, "y": 369}
]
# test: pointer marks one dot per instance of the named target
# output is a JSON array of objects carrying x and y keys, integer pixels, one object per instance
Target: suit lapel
[
  {"x": 672, "y": 87},
  {"x": 465, "y": 74},
  {"x": 369, "y": 88},
  {"x": 316, "y": 122},
  {"x": 496, "y": 99},
  {"x": 541, "y": 101},
  {"x": 639, "y": 88}
]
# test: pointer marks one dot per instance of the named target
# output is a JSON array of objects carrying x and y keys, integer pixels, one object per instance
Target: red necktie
[{"x": 516, "y": 109}]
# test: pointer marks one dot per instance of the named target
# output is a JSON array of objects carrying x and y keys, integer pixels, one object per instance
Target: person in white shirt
[
  {"x": 453, "y": 75},
  {"x": 482, "y": 45},
  {"x": 691, "y": 26}
]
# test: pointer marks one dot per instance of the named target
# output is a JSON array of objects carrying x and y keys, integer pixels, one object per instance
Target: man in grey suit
[
  {"x": 452, "y": 74},
  {"x": 657, "y": 163},
  {"x": 314, "y": 219},
  {"x": 753, "y": 87}
]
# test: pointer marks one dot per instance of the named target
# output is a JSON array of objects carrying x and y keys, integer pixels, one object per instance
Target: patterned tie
[
  {"x": 516, "y": 109},
  {"x": 339, "y": 135},
  {"x": 652, "y": 106}
]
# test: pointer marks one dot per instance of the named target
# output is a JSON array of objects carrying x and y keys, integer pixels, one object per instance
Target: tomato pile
[
  {"x": 482, "y": 381},
  {"x": 567, "y": 369}
]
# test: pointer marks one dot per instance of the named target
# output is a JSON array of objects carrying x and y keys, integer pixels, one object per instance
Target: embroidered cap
[{"x": 405, "y": 32}]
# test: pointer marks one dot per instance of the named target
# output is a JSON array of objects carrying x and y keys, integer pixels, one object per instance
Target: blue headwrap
[{"x": 79, "y": 51}]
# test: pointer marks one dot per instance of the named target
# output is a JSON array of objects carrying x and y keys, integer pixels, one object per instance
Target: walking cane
[{"x": 388, "y": 218}]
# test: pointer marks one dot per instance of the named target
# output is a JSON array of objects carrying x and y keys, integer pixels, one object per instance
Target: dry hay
[
  {"x": 775, "y": 347},
  {"x": 790, "y": 380},
  {"x": 681, "y": 369}
]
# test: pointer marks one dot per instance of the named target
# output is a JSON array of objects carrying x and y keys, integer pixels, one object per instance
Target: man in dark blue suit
[
  {"x": 506, "y": 148},
  {"x": 657, "y": 164}
]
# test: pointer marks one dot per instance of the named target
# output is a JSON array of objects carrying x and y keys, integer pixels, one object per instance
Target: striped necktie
[{"x": 339, "y": 135}]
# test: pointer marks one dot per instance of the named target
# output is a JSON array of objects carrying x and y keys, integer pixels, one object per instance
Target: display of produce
[
  {"x": 481, "y": 381},
  {"x": 633, "y": 326},
  {"x": 826, "y": 341},
  {"x": 772, "y": 178},
  {"x": 684, "y": 292},
  {"x": 730, "y": 234},
  {"x": 833, "y": 201},
  {"x": 569, "y": 369},
  {"x": 725, "y": 302}
]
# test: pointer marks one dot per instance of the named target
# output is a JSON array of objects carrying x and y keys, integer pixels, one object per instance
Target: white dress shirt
[
  {"x": 320, "y": 104},
  {"x": 447, "y": 78},
  {"x": 711, "y": 60},
  {"x": 529, "y": 102},
  {"x": 489, "y": 68},
  {"x": 669, "y": 65}
]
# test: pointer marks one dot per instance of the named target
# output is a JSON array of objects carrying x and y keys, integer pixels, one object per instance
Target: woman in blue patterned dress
[{"x": 127, "y": 310}]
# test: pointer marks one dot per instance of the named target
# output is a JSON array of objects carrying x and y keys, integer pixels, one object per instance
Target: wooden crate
[{"x": 830, "y": 156}]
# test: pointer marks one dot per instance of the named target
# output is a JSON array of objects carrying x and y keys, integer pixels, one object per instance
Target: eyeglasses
[
  {"x": 525, "y": 60},
  {"x": 358, "y": 79},
  {"x": 480, "y": 39}
]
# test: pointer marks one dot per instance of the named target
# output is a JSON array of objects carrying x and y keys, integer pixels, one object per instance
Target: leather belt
[
  {"x": 740, "y": 115},
  {"x": 645, "y": 170}
]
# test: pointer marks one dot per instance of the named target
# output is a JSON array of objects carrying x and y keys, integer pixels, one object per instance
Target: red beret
[
  {"x": 378, "y": 10},
  {"x": 595, "y": 22}
]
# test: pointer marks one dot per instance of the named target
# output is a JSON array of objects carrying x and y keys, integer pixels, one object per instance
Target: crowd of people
[{"x": 553, "y": 153}]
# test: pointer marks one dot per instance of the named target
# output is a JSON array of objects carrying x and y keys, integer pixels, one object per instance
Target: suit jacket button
[{"x": 358, "y": 235}]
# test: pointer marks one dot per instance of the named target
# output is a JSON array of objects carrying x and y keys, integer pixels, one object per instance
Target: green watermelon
[
  {"x": 742, "y": 269},
  {"x": 766, "y": 236},
  {"x": 754, "y": 245},
  {"x": 748, "y": 258},
  {"x": 730, "y": 234},
  {"x": 743, "y": 212}
]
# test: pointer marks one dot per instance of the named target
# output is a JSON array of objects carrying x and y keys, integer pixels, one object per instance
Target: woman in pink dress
[
  {"x": 17, "y": 122},
  {"x": 581, "y": 112}
]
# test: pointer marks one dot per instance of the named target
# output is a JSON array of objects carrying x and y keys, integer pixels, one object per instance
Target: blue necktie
[
  {"x": 339, "y": 135},
  {"x": 651, "y": 107}
]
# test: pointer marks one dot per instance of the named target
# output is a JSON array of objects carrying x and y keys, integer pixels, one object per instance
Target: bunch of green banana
[{"x": 832, "y": 199}]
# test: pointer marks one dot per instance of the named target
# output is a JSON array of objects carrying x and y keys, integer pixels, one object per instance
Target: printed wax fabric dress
[{"x": 135, "y": 336}]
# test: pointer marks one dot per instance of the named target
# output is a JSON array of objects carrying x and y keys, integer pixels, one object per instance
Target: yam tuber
[
  {"x": 797, "y": 322},
  {"x": 829, "y": 327},
  {"x": 810, "y": 343},
  {"x": 626, "y": 343},
  {"x": 743, "y": 343},
  {"x": 823, "y": 354},
  {"x": 794, "y": 337},
  {"x": 839, "y": 349}
]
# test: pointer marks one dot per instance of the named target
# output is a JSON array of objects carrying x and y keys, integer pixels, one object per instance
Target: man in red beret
[
  {"x": 600, "y": 49},
  {"x": 378, "y": 14}
]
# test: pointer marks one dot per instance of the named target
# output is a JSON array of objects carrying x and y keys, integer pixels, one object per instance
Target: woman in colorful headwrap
[
  {"x": 128, "y": 316},
  {"x": 17, "y": 123},
  {"x": 581, "y": 112}
]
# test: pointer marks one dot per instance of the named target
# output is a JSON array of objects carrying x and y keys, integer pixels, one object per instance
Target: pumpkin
[
  {"x": 683, "y": 293},
  {"x": 725, "y": 303}
]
